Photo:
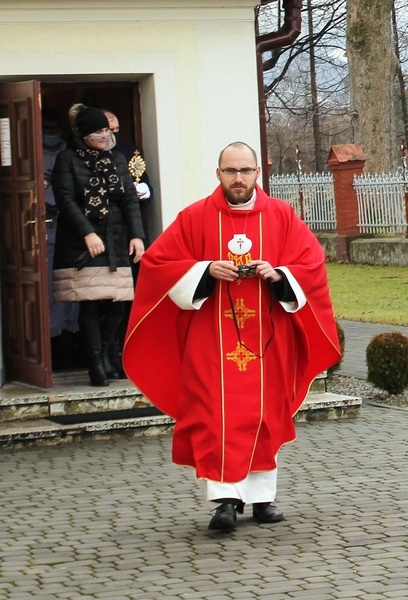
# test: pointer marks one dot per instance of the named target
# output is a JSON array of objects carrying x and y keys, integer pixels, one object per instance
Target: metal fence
[
  {"x": 382, "y": 200},
  {"x": 382, "y": 203},
  {"x": 311, "y": 195}
]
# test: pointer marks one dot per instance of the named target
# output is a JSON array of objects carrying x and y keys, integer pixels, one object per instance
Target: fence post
[{"x": 345, "y": 161}]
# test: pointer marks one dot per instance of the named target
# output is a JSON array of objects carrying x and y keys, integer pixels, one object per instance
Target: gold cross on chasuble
[
  {"x": 242, "y": 313},
  {"x": 241, "y": 357}
]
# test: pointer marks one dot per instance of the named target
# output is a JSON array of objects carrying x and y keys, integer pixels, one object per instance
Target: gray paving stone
[{"x": 116, "y": 517}]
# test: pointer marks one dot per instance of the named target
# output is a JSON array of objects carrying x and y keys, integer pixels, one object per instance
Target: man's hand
[
  {"x": 224, "y": 269},
  {"x": 265, "y": 271}
]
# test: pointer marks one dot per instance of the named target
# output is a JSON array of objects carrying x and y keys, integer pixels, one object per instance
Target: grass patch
[{"x": 372, "y": 294}]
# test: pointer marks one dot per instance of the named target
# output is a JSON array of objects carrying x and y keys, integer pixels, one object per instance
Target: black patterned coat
[{"x": 78, "y": 276}]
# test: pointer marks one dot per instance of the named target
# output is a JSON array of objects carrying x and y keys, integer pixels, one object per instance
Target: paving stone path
[{"x": 114, "y": 519}]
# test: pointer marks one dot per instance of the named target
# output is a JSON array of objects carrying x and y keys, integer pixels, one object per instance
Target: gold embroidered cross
[
  {"x": 241, "y": 357},
  {"x": 242, "y": 313}
]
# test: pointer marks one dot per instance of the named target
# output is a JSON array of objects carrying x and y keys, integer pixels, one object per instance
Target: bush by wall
[{"x": 387, "y": 362}]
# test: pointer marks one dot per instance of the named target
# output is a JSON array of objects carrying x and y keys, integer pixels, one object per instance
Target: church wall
[{"x": 194, "y": 61}]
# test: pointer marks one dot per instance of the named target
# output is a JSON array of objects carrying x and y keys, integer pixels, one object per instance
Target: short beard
[{"x": 238, "y": 199}]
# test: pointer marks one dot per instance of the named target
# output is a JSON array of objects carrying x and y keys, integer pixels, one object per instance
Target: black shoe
[
  {"x": 98, "y": 376},
  {"x": 266, "y": 512},
  {"x": 225, "y": 517}
]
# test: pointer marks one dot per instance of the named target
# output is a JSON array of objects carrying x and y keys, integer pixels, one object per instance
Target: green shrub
[
  {"x": 342, "y": 340},
  {"x": 387, "y": 362}
]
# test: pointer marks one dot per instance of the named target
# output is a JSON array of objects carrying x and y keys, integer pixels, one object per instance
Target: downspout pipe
[{"x": 284, "y": 36}]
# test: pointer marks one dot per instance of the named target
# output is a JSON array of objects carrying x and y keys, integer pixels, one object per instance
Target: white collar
[{"x": 248, "y": 205}]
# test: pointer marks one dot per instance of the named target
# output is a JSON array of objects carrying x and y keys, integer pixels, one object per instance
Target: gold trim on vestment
[
  {"x": 261, "y": 360},
  {"x": 221, "y": 356}
]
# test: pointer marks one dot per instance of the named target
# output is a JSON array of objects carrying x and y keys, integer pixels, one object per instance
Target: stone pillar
[{"x": 345, "y": 161}]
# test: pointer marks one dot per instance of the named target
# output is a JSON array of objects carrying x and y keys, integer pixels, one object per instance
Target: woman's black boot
[
  {"x": 97, "y": 373},
  {"x": 110, "y": 370},
  {"x": 111, "y": 320},
  {"x": 90, "y": 327},
  {"x": 115, "y": 357}
]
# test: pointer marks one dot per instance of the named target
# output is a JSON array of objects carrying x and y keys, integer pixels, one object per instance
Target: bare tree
[
  {"x": 307, "y": 85},
  {"x": 402, "y": 94},
  {"x": 313, "y": 91},
  {"x": 372, "y": 69},
  {"x": 309, "y": 81}
]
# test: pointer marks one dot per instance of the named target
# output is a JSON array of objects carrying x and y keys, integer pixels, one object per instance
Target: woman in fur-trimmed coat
[{"x": 99, "y": 227}]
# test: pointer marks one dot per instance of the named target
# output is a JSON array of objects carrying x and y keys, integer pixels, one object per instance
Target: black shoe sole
[{"x": 260, "y": 520}]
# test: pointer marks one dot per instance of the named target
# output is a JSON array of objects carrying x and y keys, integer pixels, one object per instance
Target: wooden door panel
[
  {"x": 26, "y": 328},
  {"x": 22, "y": 329},
  {"x": 24, "y": 141},
  {"x": 11, "y": 326},
  {"x": 30, "y": 299},
  {"x": 9, "y": 231}
]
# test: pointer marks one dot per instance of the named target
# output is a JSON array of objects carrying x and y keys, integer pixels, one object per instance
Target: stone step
[
  {"x": 317, "y": 407},
  {"x": 326, "y": 406},
  {"x": 72, "y": 394}
]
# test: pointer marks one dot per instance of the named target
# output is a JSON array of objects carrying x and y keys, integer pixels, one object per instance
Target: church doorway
[{"x": 31, "y": 356}]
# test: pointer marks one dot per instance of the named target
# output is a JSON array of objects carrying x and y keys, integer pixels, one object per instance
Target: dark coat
[{"x": 123, "y": 222}]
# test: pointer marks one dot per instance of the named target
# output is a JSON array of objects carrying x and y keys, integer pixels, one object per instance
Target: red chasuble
[{"x": 232, "y": 384}]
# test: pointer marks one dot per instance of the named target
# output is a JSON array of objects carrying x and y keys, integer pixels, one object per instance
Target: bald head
[{"x": 237, "y": 146}]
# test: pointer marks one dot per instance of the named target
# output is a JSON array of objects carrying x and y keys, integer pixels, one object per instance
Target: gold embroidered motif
[
  {"x": 242, "y": 313},
  {"x": 240, "y": 259},
  {"x": 241, "y": 357}
]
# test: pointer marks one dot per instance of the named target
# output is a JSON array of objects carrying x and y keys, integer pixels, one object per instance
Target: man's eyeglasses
[{"x": 244, "y": 171}]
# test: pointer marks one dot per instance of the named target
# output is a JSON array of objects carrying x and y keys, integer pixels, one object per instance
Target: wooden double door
[{"x": 24, "y": 286}]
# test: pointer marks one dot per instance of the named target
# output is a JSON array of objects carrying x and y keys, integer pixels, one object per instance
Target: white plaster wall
[
  {"x": 228, "y": 92},
  {"x": 195, "y": 62}
]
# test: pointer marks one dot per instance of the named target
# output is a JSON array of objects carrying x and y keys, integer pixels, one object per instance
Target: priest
[{"x": 231, "y": 322}]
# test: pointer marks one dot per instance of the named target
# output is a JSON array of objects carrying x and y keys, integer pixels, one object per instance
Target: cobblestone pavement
[{"x": 115, "y": 519}]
